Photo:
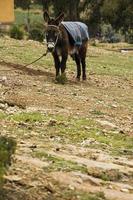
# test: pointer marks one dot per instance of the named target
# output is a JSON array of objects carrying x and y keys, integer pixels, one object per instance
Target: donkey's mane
[{"x": 53, "y": 26}]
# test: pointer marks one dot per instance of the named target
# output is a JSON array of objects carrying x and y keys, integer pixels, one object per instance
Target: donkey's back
[{"x": 77, "y": 30}]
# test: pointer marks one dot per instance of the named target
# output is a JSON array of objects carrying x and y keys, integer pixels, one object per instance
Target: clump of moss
[{"x": 62, "y": 79}]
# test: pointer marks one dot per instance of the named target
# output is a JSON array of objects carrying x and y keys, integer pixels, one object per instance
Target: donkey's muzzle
[{"x": 51, "y": 46}]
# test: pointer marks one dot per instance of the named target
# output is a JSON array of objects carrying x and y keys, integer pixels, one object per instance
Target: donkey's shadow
[
  {"x": 27, "y": 70},
  {"x": 37, "y": 72}
]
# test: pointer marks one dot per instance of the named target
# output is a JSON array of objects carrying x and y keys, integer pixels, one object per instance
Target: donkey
[{"x": 61, "y": 43}]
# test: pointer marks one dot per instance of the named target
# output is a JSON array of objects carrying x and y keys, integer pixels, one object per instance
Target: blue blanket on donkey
[{"x": 78, "y": 31}]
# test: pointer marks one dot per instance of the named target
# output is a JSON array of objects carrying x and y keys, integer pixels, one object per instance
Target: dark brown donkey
[{"x": 66, "y": 38}]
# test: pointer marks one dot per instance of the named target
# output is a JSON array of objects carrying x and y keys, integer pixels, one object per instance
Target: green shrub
[
  {"x": 129, "y": 37},
  {"x": 36, "y": 32},
  {"x": 17, "y": 32},
  {"x": 7, "y": 148},
  {"x": 22, "y": 4},
  {"x": 109, "y": 35}
]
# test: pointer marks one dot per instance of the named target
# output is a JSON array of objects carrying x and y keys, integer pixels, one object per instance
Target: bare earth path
[{"x": 50, "y": 165}]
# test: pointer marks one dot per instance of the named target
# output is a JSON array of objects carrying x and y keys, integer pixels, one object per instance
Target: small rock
[
  {"x": 13, "y": 178},
  {"x": 34, "y": 84},
  {"x": 106, "y": 123},
  {"x": 124, "y": 190},
  {"x": 3, "y": 106},
  {"x": 22, "y": 142},
  {"x": 114, "y": 105},
  {"x": 71, "y": 187},
  {"x": 86, "y": 178},
  {"x": 87, "y": 128},
  {"x": 22, "y": 124},
  {"x": 88, "y": 142},
  {"x": 3, "y": 79},
  {"x": 110, "y": 187},
  {"x": 50, "y": 188}
]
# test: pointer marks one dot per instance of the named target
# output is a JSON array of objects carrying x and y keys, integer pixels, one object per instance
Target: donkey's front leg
[
  {"x": 63, "y": 63},
  {"x": 57, "y": 63}
]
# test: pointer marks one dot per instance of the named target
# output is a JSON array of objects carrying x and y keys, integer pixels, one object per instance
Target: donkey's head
[{"x": 52, "y": 30}]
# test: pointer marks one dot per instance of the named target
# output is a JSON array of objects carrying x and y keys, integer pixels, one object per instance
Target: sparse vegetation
[
  {"x": 36, "y": 34},
  {"x": 7, "y": 148},
  {"x": 109, "y": 175},
  {"x": 59, "y": 164},
  {"x": 74, "y": 130},
  {"x": 62, "y": 79},
  {"x": 27, "y": 117},
  {"x": 2, "y": 115},
  {"x": 83, "y": 196},
  {"x": 16, "y": 32}
]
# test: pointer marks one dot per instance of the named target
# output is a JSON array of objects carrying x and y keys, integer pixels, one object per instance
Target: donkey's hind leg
[
  {"x": 77, "y": 60},
  {"x": 83, "y": 61},
  {"x": 82, "y": 53}
]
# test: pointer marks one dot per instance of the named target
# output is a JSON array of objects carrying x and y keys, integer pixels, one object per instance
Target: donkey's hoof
[
  {"x": 78, "y": 79},
  {"x": 84, "y": 78}
]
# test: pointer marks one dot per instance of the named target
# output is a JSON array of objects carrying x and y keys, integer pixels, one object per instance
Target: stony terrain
[{"x": 74, "y": 141}]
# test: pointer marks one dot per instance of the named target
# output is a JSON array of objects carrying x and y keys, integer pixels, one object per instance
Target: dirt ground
[{"x": 105, "y": 99}]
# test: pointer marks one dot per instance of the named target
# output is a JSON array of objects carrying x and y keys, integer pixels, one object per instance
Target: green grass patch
[
  {"x": 2, "y": 115},
  {"x": 80, "y": 130},
  {"x": 72, "y": 194},
  {"x": 99, "y": 60},
  {"x": 73, "y": 130},
  {"x": 111, "y": 63},
  {"x": 60, "y": 164},
  {"x": 27, "y": 117},
  {"x": 106, "y": 175}
]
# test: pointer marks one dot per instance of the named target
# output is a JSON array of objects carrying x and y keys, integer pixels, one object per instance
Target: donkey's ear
[
  {"x": 59, "y": 19},
  {"x": 46, "y": 16}
]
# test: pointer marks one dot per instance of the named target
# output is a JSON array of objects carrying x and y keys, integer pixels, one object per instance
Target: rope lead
[{"x": 37, "y": 59}]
